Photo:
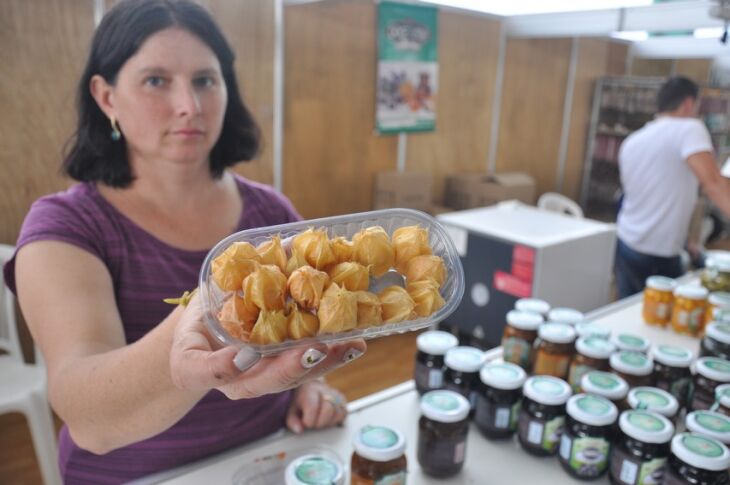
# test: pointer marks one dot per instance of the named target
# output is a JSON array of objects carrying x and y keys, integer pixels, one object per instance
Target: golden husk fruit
[
  {"x": 271, "y": 252},
  {"x": 425, "y": 267},
  {"x": 397, "y": 304},
  {"x": 301, "y": 323},
  {"x": 270, "y": 328},
  {"x": 337, "y": 310},
  {"x": 425, "y": 294},
  {"x": 352, "y": 276},
  {"x": 408, "y": 242},
  {"x": 236, "y": 318},
  {"x": 314, "y": 246},
  {"x": 296, "y": 261},
  {"x": 372, "y": 247},
  {"x": 369, "y": 309},
  {"x": 306, "y": 286},
  {"x": 265, "y": 288},
  {"x": 342, "y": 249},
  {"x": 231, "y": 267}
]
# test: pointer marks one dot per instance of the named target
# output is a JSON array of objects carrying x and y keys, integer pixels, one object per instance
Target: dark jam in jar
[
  {"x": 519, "y": 336},
  {"x": 555, "y": 350},
  {"x": 442, "y": 432},
  {"x": 608, "y": 385},
  {"x": 379, "y": 456},
  {"x": 697, "y": 460},
  {"x": 641, "y": 450},
  {"x": 654, "y": 399},
  {"x": 429, "y": 370},
  {"x": 671, "y": 371},
  {"x": 634, "y": 367},
  {"x": 542, "y": 417},
  {"x": 499, "y": 399},
  {"x": 592, "y": 353},
  {"x": 710, "y": 372},
  {"x": 586, "y": 442},
  {"x": 462, "y": 371},
  {"x": 717, "y": 341}
]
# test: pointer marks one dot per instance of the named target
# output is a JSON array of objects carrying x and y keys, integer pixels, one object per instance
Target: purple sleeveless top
[{"x": 145, "y": 270}]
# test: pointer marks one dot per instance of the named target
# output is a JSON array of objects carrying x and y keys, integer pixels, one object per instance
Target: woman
[{"x": 139, "y": 387}]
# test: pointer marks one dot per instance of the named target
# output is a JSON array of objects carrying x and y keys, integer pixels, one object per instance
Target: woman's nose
[{"x": 187, "y": 102}]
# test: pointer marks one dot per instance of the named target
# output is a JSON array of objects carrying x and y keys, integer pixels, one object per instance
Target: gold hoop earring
[{"x": 116, "y": 134}]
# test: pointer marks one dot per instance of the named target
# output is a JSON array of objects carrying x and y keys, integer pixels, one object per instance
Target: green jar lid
[
  {"x": 701, "y": 452},
  {"x": 604, "y": 384},
  {"x": 632, "y": 363},
  {"x": 714, "y": 368},
  {"x": 653, "y": 399},
  {"x": 709, "y": 423},
  {"x": 314, "y": 470},
  {"x": 592, "y": 410},
  {"x": 628, "y": 341},
  {"x": 548, "y": 390},
  {"x": 379, "y": 443},
  {"x": 445, "y": 406},
  {"x": 646, "y": 426},
  {"x": 672, "y": 355}
]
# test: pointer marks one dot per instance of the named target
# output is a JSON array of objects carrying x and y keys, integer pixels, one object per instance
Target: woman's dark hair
[
  {"x": 93, "y": 156},
  {"x": 674, "y": 92}
]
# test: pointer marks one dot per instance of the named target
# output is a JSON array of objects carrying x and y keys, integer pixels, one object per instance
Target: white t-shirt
[{"x": 660, "y": 189}]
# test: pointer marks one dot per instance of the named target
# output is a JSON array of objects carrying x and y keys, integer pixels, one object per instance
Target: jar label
[
  {"x": 594, "y": 406},
  {"x": 625, "y": 469},
  {"x": 634, "y": 359},
  {"x": 631, "y": 341},
  {"x": 718, "y": 365},
  {"x": 516, "y": 407},
  {"x": 516, "y": 351},
  {"x": 551, "y": 365},
  {"x": 651, "y": 399},
  {"x": 646, "y": 422},
  {"x": 316, "y": 470},
  {"x": 442, "y": 401},
  {"x": 588, "y": 457},
  {"x": 552, "y": 433},
  {"x": 673, "y": 351},
  {"x": 459, "y": 452},
  {"x": 662, "y": 310},
  {"x": 713, "y": 422},
  {"x": 577, "y": 371},
  {"x": 702, "y": 446},
  {"x": 680, "y": 389},
  {"x": 695, "y": 320},
  {"x": 604, "y": 381},
  {"x": 378, "y": 437},
  {"x": 502, "y": 418},
  {"x": 435, "y": 378},
  {"x": 392, "y": 479}
]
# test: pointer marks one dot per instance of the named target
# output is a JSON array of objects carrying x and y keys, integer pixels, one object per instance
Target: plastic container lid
[
  {"x": 586, "y": 329},
  {"x": 314, "y": 470},
  {"x": 548, "y": 390},
  {"x": 464, "y": 359},
  {"x": 653, "y": 399},
  {"x": 503, "y": 375},
  {"x": 701, "y": 452},
  {"x": 604, "y": 384},
  {"x": 719, "y": 331},
  {"x": 436, "y": 342},
  {"x": 709, "y": 423},
  {"x": 379, "y": 443},
  {"x": 632, "y": 363},
  {"x": 557, "y": 333},
  {"x": 565, "y": 315},
  {"x": 691, "y": 292},
  {"x": 592, "y": 410},
  {"x": 595, "y": 347},
  {"x": 722, "y": 395},
  {"x": 672, "y": 355},
  {"x": 628, "y": 341},
  {"x": 719, "y": 299},
  {"x": 719, "y": 260},
  {"x": 713, "y": 368},
  {"x": 445, "y": 406},
  {"x": 524, "y": 320},
  {"x": 646, "y": 426},
  {"x": 661, "y": 283},
  {"x": 533, "y": 305}
]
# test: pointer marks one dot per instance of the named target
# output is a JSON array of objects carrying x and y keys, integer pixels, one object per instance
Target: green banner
[{"x": 407, "y": 68}]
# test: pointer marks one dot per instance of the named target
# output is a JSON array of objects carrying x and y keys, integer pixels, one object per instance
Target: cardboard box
[
  {"x": 439, "y": 209},
  {"x": 411, "y": 190},
  {"x": 470, "y": 190}
]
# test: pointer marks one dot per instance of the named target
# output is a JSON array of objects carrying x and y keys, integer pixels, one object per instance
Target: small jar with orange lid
[
  {"x": 718, "y": 305},
  {"x": 688, "y": 312},
  {"x": 658, "y": 299}
]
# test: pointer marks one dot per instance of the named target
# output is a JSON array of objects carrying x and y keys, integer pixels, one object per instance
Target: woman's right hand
[{"x": 242, "y": 373}]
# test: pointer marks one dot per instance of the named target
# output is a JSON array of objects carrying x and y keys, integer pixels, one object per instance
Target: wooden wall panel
[
  {"x": 697, "y": 70},
  {"x": 468, "y": 50},
  {"x": 651, "y": 67},
  {"x": 618, "y": 52}
]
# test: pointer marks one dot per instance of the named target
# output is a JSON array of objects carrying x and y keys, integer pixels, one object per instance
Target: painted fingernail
[
  {"x": 312, "y": 357},
  {"x": 245, "y": 358},
  {"x": 351, "y": 355}
]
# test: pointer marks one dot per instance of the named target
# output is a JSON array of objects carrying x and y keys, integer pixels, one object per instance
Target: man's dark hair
[
  {"x": 93, "y": 156},
  {"x": 674, "y": 92}
]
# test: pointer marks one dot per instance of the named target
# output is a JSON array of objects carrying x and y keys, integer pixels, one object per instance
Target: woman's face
[{"x": 170, "y": 99}]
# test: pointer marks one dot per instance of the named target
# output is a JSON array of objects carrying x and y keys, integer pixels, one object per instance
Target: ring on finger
[{"x": 334, "y": 400}]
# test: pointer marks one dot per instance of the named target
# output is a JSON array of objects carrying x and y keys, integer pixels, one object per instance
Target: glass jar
[
  {"x": 554, "y": 350},
  {"x": 634, "y": 367},
  {"x": 442, "y": 432},
  {"x": 629, "y": 341},
  {"x": 586, "y": 443},
  {"x": 608, "y": 385},
  {"x": 672, "y": 371},
  {"x": 379, "y": 456},
  {"x": 533, "y": 305},
  {"x": 654, "y": 399},
  {"x": 709, "y": 423},
  {"x": 697, "y": 460},
  {"x": 462, "y": 371},
  {"x": 716, "y": 274},
  {"x": 314, "y": 468},
  {"x": 722, "y": 399},
  {"x": 565, "y": 315},
  {"x": 542, "y": 417},
  {"x": 499, "y": 399},
  {"x": 688, "y": 311},
  {"x": 658, "y": 298},
  {"x": 429, "y": 370},
  {"x": 586, "y": 329},
  {"x": 718, "y": 305},
  {"x": 716, "y": 342},
  {"x": 592, "y": 353},
  {"x": 710, "y": 372},
  {"x": 519, "y": 336},
  {"x": 640, "y": 452}
]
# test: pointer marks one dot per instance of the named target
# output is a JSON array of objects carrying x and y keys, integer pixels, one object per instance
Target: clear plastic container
[
  {"x": 272, "y": 469},
  {"x": 452, "y": 290}
]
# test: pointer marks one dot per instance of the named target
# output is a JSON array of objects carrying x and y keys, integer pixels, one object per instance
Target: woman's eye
[
  {"x": 155, "y": 81},
  {"x": 203, "y": 82}
]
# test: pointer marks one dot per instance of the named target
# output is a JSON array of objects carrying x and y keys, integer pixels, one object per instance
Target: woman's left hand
[{"x": 315, "y": 405}]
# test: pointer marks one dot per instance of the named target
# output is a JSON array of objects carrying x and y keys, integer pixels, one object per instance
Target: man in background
[{"x": 662, "y": 165}]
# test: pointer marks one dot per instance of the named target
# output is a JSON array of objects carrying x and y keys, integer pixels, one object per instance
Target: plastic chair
[
  {"x": 552, "y": 201},
  {"x": 23, "y": 386}
]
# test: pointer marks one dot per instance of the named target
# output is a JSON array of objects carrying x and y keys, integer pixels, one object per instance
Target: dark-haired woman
[{"x": 140, "y": 388}]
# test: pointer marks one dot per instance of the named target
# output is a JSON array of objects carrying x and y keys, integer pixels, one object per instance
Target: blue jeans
[{"x": 632, "y": 268}]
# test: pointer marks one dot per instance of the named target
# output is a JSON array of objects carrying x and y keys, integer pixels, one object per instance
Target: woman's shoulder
[{"x": 264, "y": 204}]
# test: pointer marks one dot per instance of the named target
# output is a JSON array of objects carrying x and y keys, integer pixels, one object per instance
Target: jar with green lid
[
  {"x": 634, "y": 367},
  {"x": 722, "y": 399},
  {"x": 697, "y": 460},
  {"x": 533, "y": 305},
  {"x": 379, "y": 456},
  {"x": 608, "y": 385},
  {"x": 519, "y": 336},
  {"x": 654, "y": 399},
  {"x": 710, "y": 372},
  {"x": 462, "y": 371},
  {"x": 554, "y": 350},
  {"x": 499, "y": 399},
  {"x": 587, "y": 329},
  {"x": 314, "y": 469},
  {"x": 709, "y": 423},
  {"x": 592, "y": 353},
  {"x": 716, "y": 274},
  {"x": 586, "y": 442},
  {"x": 570, "y": 316},
  {"x": 628, "y": 341},
  {"x": 542, "y": 417},
  {"x": 640, "y": 452},
  {"x": 716, "y": 342},
  {"x": 442, "y": 432},
  {"x": 429, "y": 368},
  {"x": 718, "y": 305},
  {"x": 672, "y": 371},
  {"x": 688, "y": 311}
]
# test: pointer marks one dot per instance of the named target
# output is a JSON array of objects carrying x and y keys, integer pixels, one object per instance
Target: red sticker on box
[
  {"x": 512, "y": 285},
  {"x": 523, "y": 271},
  {"x": 523, "y": 254}
]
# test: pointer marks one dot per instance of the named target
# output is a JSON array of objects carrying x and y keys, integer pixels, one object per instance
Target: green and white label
[
  {"x": 713, "y": 422},
  {"x": 634, "y": 359},
  {"x": 442, "y": 401},
  {"x": 651, "y": 399},
  {"x": 604, "y": 381},
  {"x": 316, "y": 471},
  {"x": 718, "y": 365},
  {"x": 702, "y": 446},
  {"x": 631, "y": 340},
  {"x": 646, "y": 422},
  {"x": 673, "y": 351},
  {"x": 588, "y": 457},
  {"x": 516, "y": 351},
  {"x": 594, "y": 406},
  {"x": 378, "y": 437},
  {"x": 547, "y": 386}
]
